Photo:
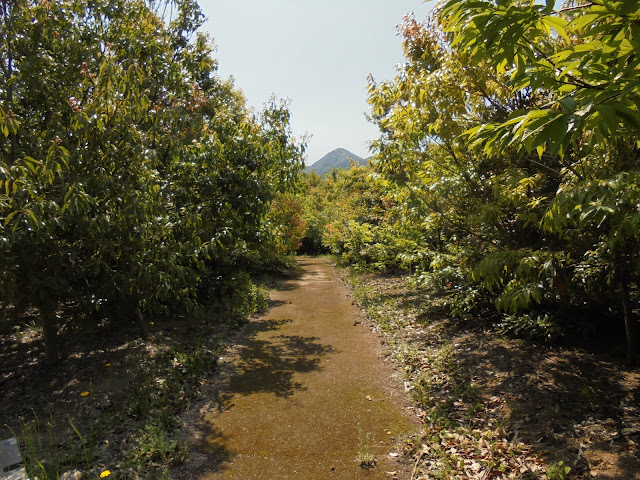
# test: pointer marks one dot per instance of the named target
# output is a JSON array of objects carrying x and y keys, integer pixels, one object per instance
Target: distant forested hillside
[{"x": 338, "y": 158}]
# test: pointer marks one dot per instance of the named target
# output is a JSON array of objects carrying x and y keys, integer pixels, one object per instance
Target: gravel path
[{"x": 304, "y": 394}]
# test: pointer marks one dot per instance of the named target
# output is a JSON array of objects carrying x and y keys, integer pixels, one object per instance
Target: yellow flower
[
  {"x": 84, "y": 394},
  {"x": 104, "y": 474},
  {"x": 108, "y": 365},
  {"x": 152, "y": 323}
]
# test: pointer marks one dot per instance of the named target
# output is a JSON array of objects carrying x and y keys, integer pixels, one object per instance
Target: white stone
[{"x": 71, "y": 475}]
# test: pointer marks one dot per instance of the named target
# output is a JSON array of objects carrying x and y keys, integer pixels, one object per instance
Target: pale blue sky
[{"x": 317, "y": 54}]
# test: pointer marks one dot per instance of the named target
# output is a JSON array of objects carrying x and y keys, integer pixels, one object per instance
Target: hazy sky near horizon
[{"x": 316, "y": 54}]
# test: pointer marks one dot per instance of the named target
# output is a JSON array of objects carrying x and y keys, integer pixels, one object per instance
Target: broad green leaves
[
  {"x": 131, "y": 177},
  {"x": 510, "y": 141},
  {"x": 581, "y": 60}
]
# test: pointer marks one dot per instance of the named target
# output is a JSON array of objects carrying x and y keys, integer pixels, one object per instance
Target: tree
[
  {"x": 581, "y": 61},
  {"x": 131, "y": 174},
  {"x": 509, "y": 140},
  {"x": 457, "y": 206}
]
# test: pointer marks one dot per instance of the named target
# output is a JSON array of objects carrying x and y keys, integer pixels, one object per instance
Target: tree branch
[
  {"x": 576, "y": 81},
  {"x": 577, "y": 7}
]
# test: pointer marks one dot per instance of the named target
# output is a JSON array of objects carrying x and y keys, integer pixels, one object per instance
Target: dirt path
[{"x": 305, "y": 395}]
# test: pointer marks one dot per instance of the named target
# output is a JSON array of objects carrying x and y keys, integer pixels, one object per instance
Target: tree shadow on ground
[
  {"x": 284, "y": 282},
  {"x": 265, "y": 361},
  {"x": 269, "y": 364},
  {"x": 569, "y": 405},
  {"x": 210, "y": 456},
  {"x": 93, "y": 362}
]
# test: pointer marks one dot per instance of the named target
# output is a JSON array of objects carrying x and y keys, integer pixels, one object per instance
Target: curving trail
[{"x": 302, "y": 395}]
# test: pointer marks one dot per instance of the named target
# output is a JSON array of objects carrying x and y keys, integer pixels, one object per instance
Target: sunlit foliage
[
  {"x": 133, "y": 178},
  {"x": 508, "y": 160}
]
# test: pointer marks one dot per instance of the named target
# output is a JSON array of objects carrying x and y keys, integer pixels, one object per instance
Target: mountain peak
[
  {"x": 340, "y": 150},
  {"x": 338, "y": 158}
]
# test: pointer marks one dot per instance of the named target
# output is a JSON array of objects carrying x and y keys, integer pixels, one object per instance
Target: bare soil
[
  {"x": 307, "y": 391},
  {"x": 304, "y": 394},
  {"x": 109, "y": 406}
]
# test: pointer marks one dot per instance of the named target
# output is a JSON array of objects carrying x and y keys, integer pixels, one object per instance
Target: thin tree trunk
[
  {"x": 144, "y": 333},
  {"x": 50, "y": 330},
  {"x": 8, "y": 73},
  {"x": 628, "y": 324}
]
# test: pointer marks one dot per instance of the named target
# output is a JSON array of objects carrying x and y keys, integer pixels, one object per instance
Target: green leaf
[
  {"x": 9, "y": 217},
  {"x": 557, "y": 24}
]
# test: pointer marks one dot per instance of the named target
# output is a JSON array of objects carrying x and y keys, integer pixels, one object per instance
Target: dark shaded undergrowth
[{"x": 110, "y": 407}]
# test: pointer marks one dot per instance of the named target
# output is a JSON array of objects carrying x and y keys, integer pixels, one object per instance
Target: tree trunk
[
  {"x": 50, "y": 330},
  {"x": 7, "y": 69},
  {"x": 144, "y": 332},
  {"x": 628, "y": 324}
]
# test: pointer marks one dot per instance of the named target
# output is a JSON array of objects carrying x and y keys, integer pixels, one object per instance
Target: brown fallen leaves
[
  {"x": 496, "y": 408},
  {"x": 478, "y": 455}
]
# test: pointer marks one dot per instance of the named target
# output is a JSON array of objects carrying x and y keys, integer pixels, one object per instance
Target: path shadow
[
  {"x": 210, "y": 455},
  {"x": 269, "y": 365},
  {"x": 263, "y": 364},
  {"x": 289, "y": 281},
  {"x": 284, "y": 282}
]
